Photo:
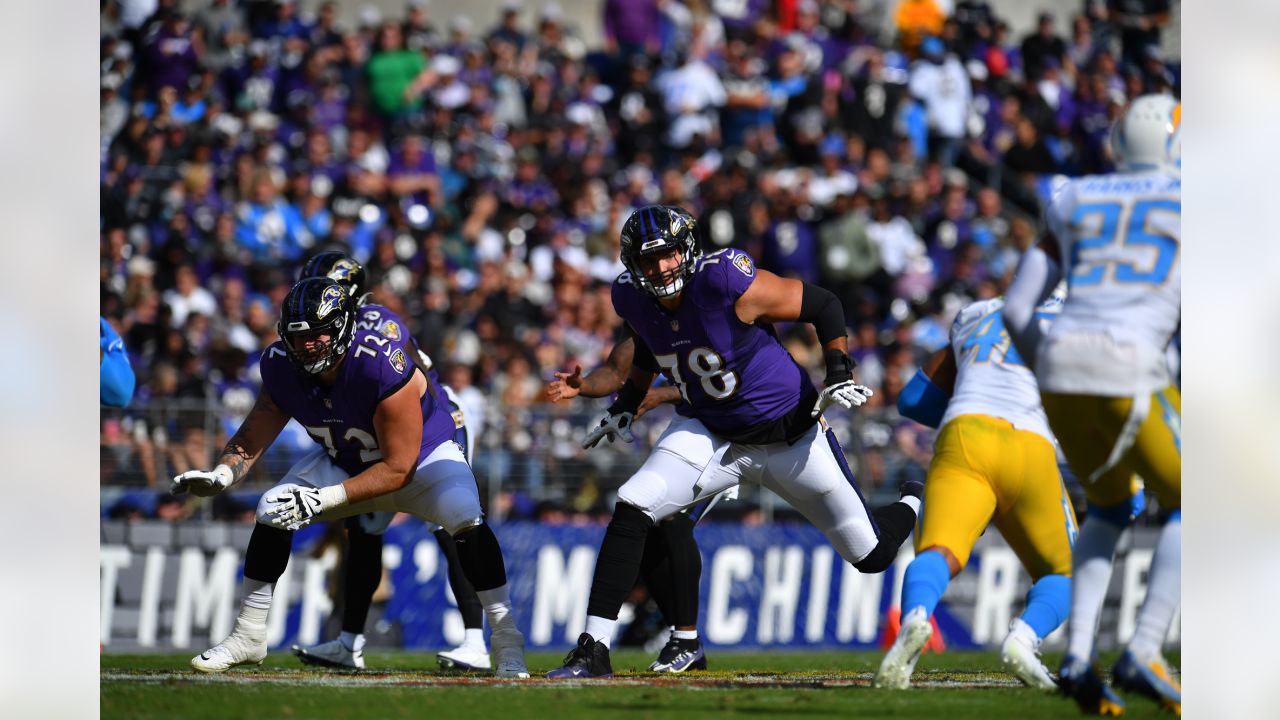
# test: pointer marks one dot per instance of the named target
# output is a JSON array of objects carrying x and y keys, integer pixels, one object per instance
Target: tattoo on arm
[{"x": 247, "y": 444}]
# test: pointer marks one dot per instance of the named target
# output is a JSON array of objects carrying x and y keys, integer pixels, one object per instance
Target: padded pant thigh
[
  {"x": 443, "y": 491},
  {"x": 811, "y": 477},
  {"x": 688, "y": 465},
  {"x": 958, "y": 499},
  {"x": 1157, "y": 452}
]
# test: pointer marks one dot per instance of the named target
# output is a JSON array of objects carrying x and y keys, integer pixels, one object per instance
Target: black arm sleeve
[
  {"x": 629, "y": 398},
  {"x": 643, "y": 357},
  {"x": 821, "y": 307}
]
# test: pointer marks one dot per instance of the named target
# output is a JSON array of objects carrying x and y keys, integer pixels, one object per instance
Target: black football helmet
[
  {"x": 341, "y": 267},
  {"x": 657, "y": 230},
  {"x": 316, "y": 306}
]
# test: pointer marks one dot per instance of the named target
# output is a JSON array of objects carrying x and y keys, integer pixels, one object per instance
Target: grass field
[{"x": 954, "y": 685}]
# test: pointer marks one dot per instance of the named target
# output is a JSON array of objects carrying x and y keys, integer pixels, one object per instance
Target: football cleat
[
  {"x": 463, "y": 658},
  {"x": 897, "y": 666},
  {"x": 590, "y": 659},
  {"x": 331, "y": 654},
  {"x": 1079, "y": 681},
  {"x": 679, "y": 656},
  {"x": 1020, "y": 655},
  {"x": 1152, "y": 679},
  {"x": 507, "y": 644},
  {"x": 246, "y": 645}
]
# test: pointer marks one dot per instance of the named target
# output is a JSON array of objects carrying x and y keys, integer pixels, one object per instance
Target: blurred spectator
[
  {"x": 939, "y": 81},
  {"x": 916, "y": 20},
  {"x": 1140, "y": 23}
]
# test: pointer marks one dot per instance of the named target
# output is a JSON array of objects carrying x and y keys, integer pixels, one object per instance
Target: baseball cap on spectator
[
  {"x": 445, "y": 64},
  {"x": 512, "y": 6},
  {"x": 461, "y": 24},
  {"x": 579, "y": 113},
  {"x": 551, "y": 12},
  {"x": 259, "y": 48},
  {"x": 833, "y": 145},
  {"x": 977, "y": 70},
  {"x": 141, "y": 265},
  {"x": 932, "y": 46},
  {"x": 370, "y": 16},
  {"x": 997, "y": 62},
  {"x": 955, "y": 177}
]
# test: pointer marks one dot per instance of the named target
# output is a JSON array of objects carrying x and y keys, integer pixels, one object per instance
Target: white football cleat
[
  {"x": 507, "y": 646},
  {"x": 246, "y": 645},
  {"x": 897, "y": 666},
  {"x": 463, "y": 658},
  {"x": 331, "y": 654},
  {"x": 1020, "y": 655}
]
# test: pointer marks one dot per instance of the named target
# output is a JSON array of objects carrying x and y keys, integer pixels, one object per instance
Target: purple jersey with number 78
[
  {"x": 735, "y": 377},
  {"x": 340, "y": 418}
]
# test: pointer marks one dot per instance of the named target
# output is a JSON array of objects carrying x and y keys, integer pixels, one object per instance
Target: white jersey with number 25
[{"x": 1121, "y": 242}]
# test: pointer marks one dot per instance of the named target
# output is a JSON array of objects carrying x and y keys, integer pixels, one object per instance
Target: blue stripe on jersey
[
  {"x": 1171, "y": 421},
  {"x": 848, "y": 475}
]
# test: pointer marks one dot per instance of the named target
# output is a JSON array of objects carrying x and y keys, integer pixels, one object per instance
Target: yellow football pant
[
  {"x": 1089, "y": 427},
  {"x": 986, "y": 471}
]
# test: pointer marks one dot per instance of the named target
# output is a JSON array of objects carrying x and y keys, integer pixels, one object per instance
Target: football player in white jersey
[
  {"x": 994, "y": 463},
  {"x": 1105, "y": 383}
]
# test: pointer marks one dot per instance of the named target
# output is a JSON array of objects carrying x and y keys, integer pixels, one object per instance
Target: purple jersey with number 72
[
  {"x": 340, "y": 418},
  {"x": 735, "y": 377}
]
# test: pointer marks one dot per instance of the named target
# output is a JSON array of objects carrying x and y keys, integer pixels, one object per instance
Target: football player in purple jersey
[
  {"x": 750, "y": 412},
  {"x": 671, "y": 566},
  {"x": 363, "y": 567},
  {"x": 385, "y": 443}
]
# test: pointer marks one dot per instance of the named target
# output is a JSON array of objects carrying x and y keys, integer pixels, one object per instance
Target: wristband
[{"x": 839, "y": 366}]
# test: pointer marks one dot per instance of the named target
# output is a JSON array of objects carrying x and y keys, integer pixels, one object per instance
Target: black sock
[
  {"x": 468, "y": 601},
  {"x": 655, "y": 571},
  {"x": 268, "y": 553},
  {"x": 363, "y": 573},
  {"x": 685, "y": 569},
  {"x": 895, "y": 521},
  {"x": 619, "y": 560},
  {"x": 481, "y": 557}
]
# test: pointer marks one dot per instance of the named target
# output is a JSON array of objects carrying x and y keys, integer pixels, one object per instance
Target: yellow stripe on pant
[
  {"x": 1088, "y": 428},
  {"x": 986, "y": 471}
]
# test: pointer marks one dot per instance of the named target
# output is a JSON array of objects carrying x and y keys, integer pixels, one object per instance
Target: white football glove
[
  {"x": 847, "y": 394},
  {"x": 202, "y": 483},
  {"x": 295, "y": 506},
  {"x": 611, "y": 425}
]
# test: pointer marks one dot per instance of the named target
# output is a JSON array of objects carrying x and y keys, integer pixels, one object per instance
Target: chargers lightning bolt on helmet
[
  {"x": 340, "y": 267},
  {"x": 316, "y": 306},
  {"x": 655, "y": 230},
  {"x": 1149, "y": 135}
]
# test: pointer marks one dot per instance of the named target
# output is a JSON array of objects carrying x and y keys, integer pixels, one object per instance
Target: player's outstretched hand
[
  {"x": 611, "y": 425},
  {"x": 202, "y": 483},
  {"x": 847, "y": 394},
  {"x": 566, "y": 385}
]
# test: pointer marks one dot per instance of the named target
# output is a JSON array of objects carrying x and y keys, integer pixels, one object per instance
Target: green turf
[{"x": 764, "y": 684}]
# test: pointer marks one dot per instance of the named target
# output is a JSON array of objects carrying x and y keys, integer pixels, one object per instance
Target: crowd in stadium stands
[{"x": 482, "y": 174}]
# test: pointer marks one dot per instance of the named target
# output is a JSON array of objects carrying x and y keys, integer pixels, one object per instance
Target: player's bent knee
[
  {"x": 954, "y": 566},
  {"x": 1119, "y": 515},
  {"x": 463, "y": 525},
  {"x": 879, "y": 559}
]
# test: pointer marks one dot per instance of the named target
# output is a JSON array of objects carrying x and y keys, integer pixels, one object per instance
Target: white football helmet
[{"x": 1148, "y": 136}]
